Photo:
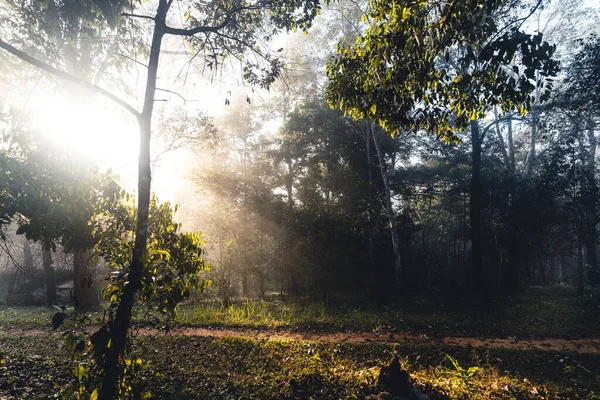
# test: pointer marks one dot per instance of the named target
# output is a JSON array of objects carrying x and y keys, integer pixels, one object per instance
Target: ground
[{"x": 542, "y": 344}]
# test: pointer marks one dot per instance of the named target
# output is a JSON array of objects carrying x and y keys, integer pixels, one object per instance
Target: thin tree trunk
[
  {"x": 580, "y": 276},
  {"x": 591, "y": 217},
  {"x": 389, "y": 210},
  {"x": 475, "y": 210},
  {"x": 29, "y": 267},
  {"x": 511, "y": 146},
  {"x": 10, "y": 282},
  {"x": 510, "y": 278},
  {"x": 370, "y": 217},
  {"x": 501, "y": 140},
  {"x": 120, "y": 325},
  {"x": 289, "y": 183},
  {"x": 464, "y": 241},
  {"x": 49, "y": 275},
  {"x": 245, "y": 283},
  {"x": 532, "y": 156},
  {"x": 86, "y": 294}
]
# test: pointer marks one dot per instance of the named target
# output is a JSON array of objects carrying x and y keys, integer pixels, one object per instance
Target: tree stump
[{"x": 396, "y": 381}]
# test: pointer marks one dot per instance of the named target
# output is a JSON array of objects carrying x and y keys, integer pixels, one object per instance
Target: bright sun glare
[{"x": 89, "y": 130}]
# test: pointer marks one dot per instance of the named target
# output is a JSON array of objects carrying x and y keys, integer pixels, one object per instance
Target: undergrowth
[
  {"x": 542, "y": 313},
  {"x": 555, "y": 312},
  {"x": 178, "y": 367}
]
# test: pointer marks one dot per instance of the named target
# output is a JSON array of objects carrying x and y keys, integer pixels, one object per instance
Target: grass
[
  {"x": 233, "y": 368},
  {"x": 183, "y": 367},
  {"x": 537, "y": 312},
  {"x": 556, "y": 312},
  {"x": 24, "y": 317}
]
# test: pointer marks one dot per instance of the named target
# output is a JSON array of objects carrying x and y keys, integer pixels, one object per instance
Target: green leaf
[
  {"x": 405, "y": 13},
  {"x": 79, "y": 371}
]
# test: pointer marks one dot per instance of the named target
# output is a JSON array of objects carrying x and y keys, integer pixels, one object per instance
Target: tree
[
  {"x": 214, "y": 29},
  {"x": 401, "y": 74},
  {"x": 54, "y": 201},
  {"x": 385, "y": 172}
]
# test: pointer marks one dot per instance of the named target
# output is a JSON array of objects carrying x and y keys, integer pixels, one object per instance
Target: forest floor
[{"x": 539, "y": 345}]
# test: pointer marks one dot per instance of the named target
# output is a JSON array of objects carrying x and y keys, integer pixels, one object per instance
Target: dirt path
[
  {"x": 560, "y": 345},
  {"x": 583, "y": 346}
]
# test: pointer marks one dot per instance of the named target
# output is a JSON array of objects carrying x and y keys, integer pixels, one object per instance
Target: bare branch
[
  {"x": 67, "y": 77},
  {"x": 196, "y": 30},
  {"x": 175, "y": 93},
  {"x": 137, "y": 16},
  {"x": 246, "y": 44},
  {"x": 208, "y": 29},
  {"x": 519, "y": 21},
  {"x": 132, "y": 60}
]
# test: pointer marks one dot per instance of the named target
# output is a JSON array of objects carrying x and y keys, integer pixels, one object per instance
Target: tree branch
[
  {"x": 67, "y": 77},
  {"x": 205, "y": 29},
  {"x": 517, "y": 21},
  {"x": 175, "y": 93},
  {"x": 196, "y": 30},
  {"x": 137, "y": 16},
  {"x": 132, "y": 60}
]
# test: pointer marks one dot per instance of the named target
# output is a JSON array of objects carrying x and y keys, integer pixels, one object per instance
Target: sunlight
[{"x": 88, "y": 129}]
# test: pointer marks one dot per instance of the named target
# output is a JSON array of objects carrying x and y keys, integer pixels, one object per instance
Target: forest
[{"x": 295, "y": 199}]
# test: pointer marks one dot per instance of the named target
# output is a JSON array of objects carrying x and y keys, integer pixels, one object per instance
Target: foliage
[
  {"x": 172, "y": 267},
  {"x": 435, "y": 66},
  {"x": 583, "y": 75},
  {"x": 54, "y": 198},
  {"x": 173, "y": 262},
  {"x": 237, "y": 28},
  {"x": 466, "y": 375},
  {"x": 75, "y": 36}
]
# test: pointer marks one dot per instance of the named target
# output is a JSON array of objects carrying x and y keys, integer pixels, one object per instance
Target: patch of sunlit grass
[
  {"x": 548, "y": 312},
  {"x": 277, "y": 314}
]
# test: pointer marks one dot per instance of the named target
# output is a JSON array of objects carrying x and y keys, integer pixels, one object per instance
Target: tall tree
[{"x": 401, "y": 73}]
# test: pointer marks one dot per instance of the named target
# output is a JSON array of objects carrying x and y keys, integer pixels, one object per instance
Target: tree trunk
[
  {"x": 375, "y": 277},
  {"x": 510, "y": 271},
  {"x": 49, "y": 275},
  {"x": 388, "y": 208},
  {"x": 591, "y": 215},
  {"x": 119, "y": 326},
  {"x": 475, "y": 210},
  {"x": 505, "y": 153},
  {"x": 289, "y": 183},
  {"x": 12, "y": 278},
  {"x": 29, "y": 267},
  {"x": 245, "y": 292},
  {"x": 86, "y": 293},
  {"x": 532, "y": 156},
  {"x": 580, "y": 276},
  {"x": 511, "y": 147}
]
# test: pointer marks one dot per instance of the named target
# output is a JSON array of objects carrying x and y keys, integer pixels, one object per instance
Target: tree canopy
[{"x": 434, "y": 66}]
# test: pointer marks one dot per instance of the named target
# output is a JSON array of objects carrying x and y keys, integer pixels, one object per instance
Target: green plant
[{"x": 465, "y": 374}]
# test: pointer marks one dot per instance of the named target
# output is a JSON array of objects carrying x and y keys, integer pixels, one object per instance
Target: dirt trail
[
  {"x": 583, "y": 346},
  {"x": 560, "y": 345}
]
